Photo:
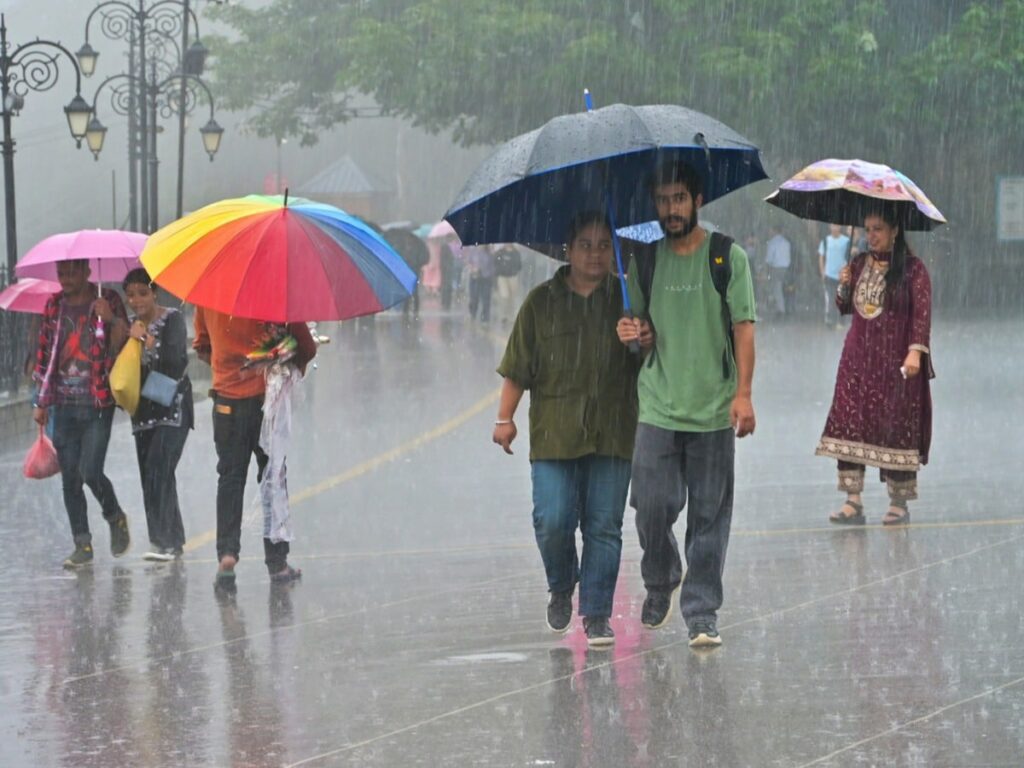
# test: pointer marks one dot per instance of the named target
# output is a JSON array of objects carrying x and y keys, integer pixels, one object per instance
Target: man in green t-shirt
[{"x": 695, "y": 399}]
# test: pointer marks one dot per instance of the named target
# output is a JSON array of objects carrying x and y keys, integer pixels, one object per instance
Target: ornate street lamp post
[
  {"x": 161, "y": 99},
  {"x": 146, "y": 28},
  {"x": 33, "y": 66}
]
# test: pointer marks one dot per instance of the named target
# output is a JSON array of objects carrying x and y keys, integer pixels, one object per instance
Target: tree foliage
[{"x": 906, "y": 80}]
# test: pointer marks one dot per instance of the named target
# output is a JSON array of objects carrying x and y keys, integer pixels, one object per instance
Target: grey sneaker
[
  {"x": 657, "y": 608},
  {"x": 599, "y": 632},
  {"x": 82, "y": 556},
  {"x": 560, "y": 611},
  {"x": 120, "y": 538},
  {"x": 704, "y": 634}
]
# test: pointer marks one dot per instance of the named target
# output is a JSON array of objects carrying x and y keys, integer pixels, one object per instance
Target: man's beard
[{"x": 688, "y": 226}]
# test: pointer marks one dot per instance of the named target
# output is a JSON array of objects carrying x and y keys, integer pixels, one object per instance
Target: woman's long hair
[{"x": 900, "y": 248}]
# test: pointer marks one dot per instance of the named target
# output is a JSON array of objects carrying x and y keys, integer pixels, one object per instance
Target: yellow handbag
[{"x": 126, "y": 376}]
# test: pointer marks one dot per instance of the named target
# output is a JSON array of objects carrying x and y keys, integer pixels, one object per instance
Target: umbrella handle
[{"x": 634, "y": 346}]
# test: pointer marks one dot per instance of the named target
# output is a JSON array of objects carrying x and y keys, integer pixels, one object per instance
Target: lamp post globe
[
  {"x": 78, "y": 113},
  {"x": 94, "y": 136},
  {"x": 211, "y": 133},
  {"x": 87, "y": 56}
]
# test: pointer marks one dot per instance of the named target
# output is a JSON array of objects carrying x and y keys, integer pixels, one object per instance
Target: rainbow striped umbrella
[{"x": 279, "y": 260}]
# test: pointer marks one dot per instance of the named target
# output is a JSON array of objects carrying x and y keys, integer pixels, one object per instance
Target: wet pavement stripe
[
  {"x": 916, "y": 721},
  {"x": 371, "y": 464},
  {"x": 770, "y": 615},
  {"x": 418, "y": 597}
]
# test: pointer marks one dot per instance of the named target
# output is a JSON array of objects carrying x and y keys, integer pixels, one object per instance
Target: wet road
[{"x": 416, "y": 636}]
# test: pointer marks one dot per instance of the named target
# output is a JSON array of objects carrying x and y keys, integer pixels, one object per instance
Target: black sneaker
[
  {"x": 704, "y": 634},
  {"x": 599, "y": 631},
  {"x": 658, "y": 608},
  {"x": 82, "y": 556},
  {"x": 120, "y": 538},
  {"x": 560, "y": 611}
]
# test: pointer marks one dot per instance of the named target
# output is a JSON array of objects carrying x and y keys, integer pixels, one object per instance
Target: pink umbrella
[
  {"x": 112, "y": 254},
  {"x": 441, "y": 230},
  {"x": 28, "y": 295}
]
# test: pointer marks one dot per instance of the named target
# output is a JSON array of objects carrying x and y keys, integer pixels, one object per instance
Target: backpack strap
[{"x": 721, "y": 272}]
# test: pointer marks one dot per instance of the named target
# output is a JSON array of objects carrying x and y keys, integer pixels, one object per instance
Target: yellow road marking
[{"x": 373, "y": 463}]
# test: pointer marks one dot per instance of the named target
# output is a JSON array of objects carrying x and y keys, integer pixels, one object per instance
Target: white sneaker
[{"x": 158, "y": 556}]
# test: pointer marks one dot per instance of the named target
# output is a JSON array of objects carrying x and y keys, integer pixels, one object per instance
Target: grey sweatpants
[{"x": 669, "y": 469}]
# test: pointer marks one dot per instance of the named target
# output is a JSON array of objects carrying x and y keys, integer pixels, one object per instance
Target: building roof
[{"x": 342, "y": 177}]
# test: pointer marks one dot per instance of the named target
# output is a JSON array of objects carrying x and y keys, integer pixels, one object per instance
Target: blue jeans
[
  {"x": 588, "y": 492},
  {"x": 81, "y": 435}
]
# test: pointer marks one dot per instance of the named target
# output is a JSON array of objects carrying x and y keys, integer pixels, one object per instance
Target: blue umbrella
[{"x": 530, "y": 188}]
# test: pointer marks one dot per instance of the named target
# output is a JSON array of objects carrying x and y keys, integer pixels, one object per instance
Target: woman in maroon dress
[{"x": 882, "y": 411}]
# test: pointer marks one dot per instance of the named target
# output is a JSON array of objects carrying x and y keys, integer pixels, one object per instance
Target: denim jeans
[
  {"x": 668, "y": 467},
  {"x": 588, "y": 492},
  {"x": 236, "y": 436},
  {"x": 158, "y": 450},
  {"x": 81, "y": 434}
]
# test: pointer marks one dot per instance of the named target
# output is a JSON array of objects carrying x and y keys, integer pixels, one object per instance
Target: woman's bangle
[{"x": 502, "y": 421}]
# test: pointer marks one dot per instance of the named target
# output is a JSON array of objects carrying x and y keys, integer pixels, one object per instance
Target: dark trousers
[
  {"x": 81, "y": 435},
  {"x": 832, "y": 316},
  {"x": 669, "y": 469},
  {"x": 236, "y": 436},
  {"x": 480, "y": 289},
  {"x": 158, "y": 450}
]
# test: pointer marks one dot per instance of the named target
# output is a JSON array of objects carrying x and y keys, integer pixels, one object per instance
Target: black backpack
[
  {"x": 507, "y": 262},
  {"x": 721, "y": 273}
]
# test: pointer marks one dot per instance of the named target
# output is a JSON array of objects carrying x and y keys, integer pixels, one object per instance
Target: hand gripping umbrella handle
[{"x": 634, "y": 346}]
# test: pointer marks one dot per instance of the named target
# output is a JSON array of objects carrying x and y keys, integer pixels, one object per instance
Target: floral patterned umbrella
[{"x": 844, "y": 191}]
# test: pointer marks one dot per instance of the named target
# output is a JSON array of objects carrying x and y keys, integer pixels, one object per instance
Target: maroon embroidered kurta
[{"x": 878, "y": 418}]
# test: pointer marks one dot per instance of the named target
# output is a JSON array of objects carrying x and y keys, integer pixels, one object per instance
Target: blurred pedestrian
[
  {"x": 881, "y": 413},
  {"x": 778, "y": 258},
  {"x": 164, "y": 417},
  {"x": 694, "y": 300},
  {"x": 451, "y": 271},
  {"x": 480, "y": 268},
  {"x": 238, "y": 393},
  {"x": 508, "y": 263},
  {"x": 832, "y": 254},
  {"x": 583, "y": 408},
  {"x": 82, "y": 331}
]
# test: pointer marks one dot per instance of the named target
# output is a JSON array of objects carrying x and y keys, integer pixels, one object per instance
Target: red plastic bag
[{"x": 41, "y": 460}]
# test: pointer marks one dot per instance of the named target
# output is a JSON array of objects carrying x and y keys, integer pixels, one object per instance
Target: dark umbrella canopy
[{"x": 530, "y": 188}]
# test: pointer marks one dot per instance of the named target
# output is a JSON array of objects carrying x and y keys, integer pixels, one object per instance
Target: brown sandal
[
  {"x": 897, "y": 518},
  {"x": 841, "y": 518}
]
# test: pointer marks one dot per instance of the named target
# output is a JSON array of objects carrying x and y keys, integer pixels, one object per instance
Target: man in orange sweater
[{"x": 223, "y": 342}]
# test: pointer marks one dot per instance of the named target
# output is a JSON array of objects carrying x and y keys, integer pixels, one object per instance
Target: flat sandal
[{"x": 856, "y": 519}]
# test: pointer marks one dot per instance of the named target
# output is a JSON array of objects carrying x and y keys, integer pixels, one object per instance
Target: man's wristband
[{"x": 502, "y": 421}]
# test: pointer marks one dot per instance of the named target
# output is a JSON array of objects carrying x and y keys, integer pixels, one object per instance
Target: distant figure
[
  {"x": 881, "y": 413},
  {"x": 238, "y": 393},
  {"x": 160, "y": 430},
  {"x": 508, "y": 263},
  {"x": 80, "y": 336},
  {"x": 778, "y": 257},
  {"x": 449, "y": 273},
  {"x": 480, "y": 268},
  {"x": 832, "y": 253},
  {"x": 583, "y": 409}
]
